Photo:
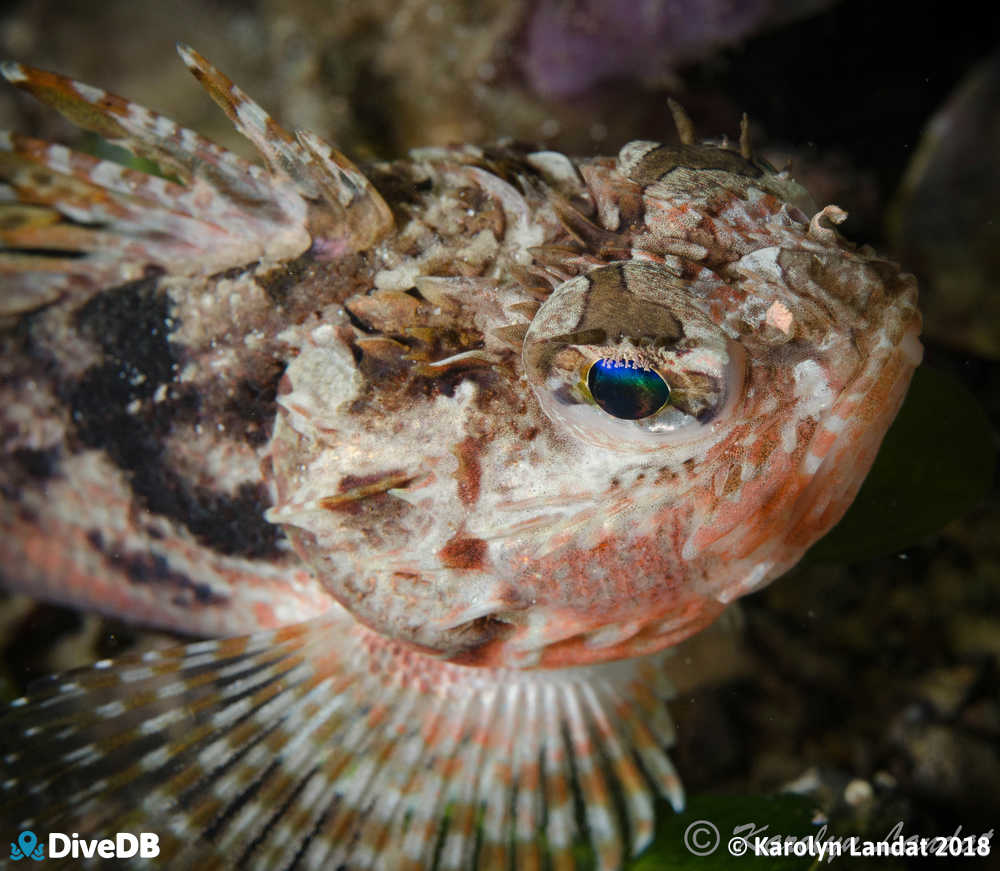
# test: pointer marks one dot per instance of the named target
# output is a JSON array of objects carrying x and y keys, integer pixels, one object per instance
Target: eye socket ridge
[{"x": 678, "y": 377}]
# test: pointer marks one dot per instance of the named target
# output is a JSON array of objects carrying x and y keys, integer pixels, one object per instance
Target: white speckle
[
  {"x": 173, "y": 689},
  {"x": 789, "y": 437},
  {"x": 81, "y": 754},
  {"x": 141, "y": 116},
  {"x": 556, "y": 166},
  {"x": 214, "y": 755},
  {"x": 58, "y": 158},
  {"x": 400, "y": 278},
  {"x": 324, "y": 334},
  {"x": 13, "y": 72},
  {"x": 201, "y": 647},
  {"x": 200, "y": 660},
  {"x": 157, "y": 724},
  {"x": 252, "y": 116},
  {"x": 231, "y": 713},
  {"x": 106, "y": 174},
  {"x": 155, "y": 759},
  {"x": 164, "y": 127},
  {"x": 103, "y": 663},
  {"x": 756, "y": 577},
  {"x": 190, "y": 141},
  {"x": 111, "y": 709},
  {"x": 158, "y": 186},
  {"x": 811, "y": 463},
  {"x": 613, "y": 633},
  {"x": 89, "y": 92},
  {"x": 131, "y": 675}
]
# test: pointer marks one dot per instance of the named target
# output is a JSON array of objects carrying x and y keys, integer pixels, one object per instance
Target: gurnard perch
[{"x": 450, "y": 451}]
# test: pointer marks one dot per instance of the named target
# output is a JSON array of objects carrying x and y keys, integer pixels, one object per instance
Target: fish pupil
[{"x": 625, "y": 390}]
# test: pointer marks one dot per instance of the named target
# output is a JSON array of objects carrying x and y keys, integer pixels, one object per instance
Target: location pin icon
[{"x": 27, "y": 841}]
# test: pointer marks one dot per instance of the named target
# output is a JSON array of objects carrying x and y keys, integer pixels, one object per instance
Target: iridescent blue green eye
[{"x": 627, "y": 391}]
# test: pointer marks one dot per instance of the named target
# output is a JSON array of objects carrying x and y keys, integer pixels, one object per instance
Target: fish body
[{"x": 456, "y": 448}]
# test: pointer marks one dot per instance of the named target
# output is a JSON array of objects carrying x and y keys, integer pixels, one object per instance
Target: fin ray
[{"x": 322, "y": 743}]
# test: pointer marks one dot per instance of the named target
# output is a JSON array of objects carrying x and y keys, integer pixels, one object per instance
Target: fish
[{"x": 440, "y": 457}]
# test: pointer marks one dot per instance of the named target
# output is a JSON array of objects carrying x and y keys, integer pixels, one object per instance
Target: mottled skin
[
  {"x": 410, "y": 428},
  {"x": 238, "y": 397}
]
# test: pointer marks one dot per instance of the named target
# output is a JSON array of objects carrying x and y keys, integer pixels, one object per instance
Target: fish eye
[
  {"x": 626, "y": 391},
  {"x": 627, "y": 358}
]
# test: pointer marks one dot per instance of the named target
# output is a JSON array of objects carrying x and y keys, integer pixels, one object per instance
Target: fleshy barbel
[{"x": 449, "y": 452}]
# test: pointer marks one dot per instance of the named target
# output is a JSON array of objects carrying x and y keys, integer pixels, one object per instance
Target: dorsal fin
[
  {"x": 683, "y": 122},
  {"x": 318, "y": 169}
]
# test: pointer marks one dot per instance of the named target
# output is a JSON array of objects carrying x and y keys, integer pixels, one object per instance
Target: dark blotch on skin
[
  {"x": 278, "y": 283},
  {"x": 446, "y": 383},
  {"x": 129, "y": 322},
  {"x": 26, "y": 468},
  {"x": 252, "y": 406},
  {"x": 463, "y": 553},
  {"x": 146, "y": 567},
  {"x": 152, "y": 568},
  {"x": 35, "y": 465},
  {"x": 469, "y": 472},
  {"x": 485, "y": 634},
  {"x": 234, "y": 272}
]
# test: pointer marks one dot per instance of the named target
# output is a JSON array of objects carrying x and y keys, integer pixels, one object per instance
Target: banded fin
[
  {"x": 318, "y": 169},
  {"x": 322, "y": 745},
  {"x": 176, "y": 149},
  {"x": 216, "y": 211},
  {"x": 116, "y": 222}
]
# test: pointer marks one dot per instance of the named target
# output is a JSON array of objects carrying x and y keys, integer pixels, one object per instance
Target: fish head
[{"x": 670, "y": 430}]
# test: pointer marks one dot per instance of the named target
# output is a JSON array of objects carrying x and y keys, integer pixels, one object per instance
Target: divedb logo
[{"x": 123, "y": 845}]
